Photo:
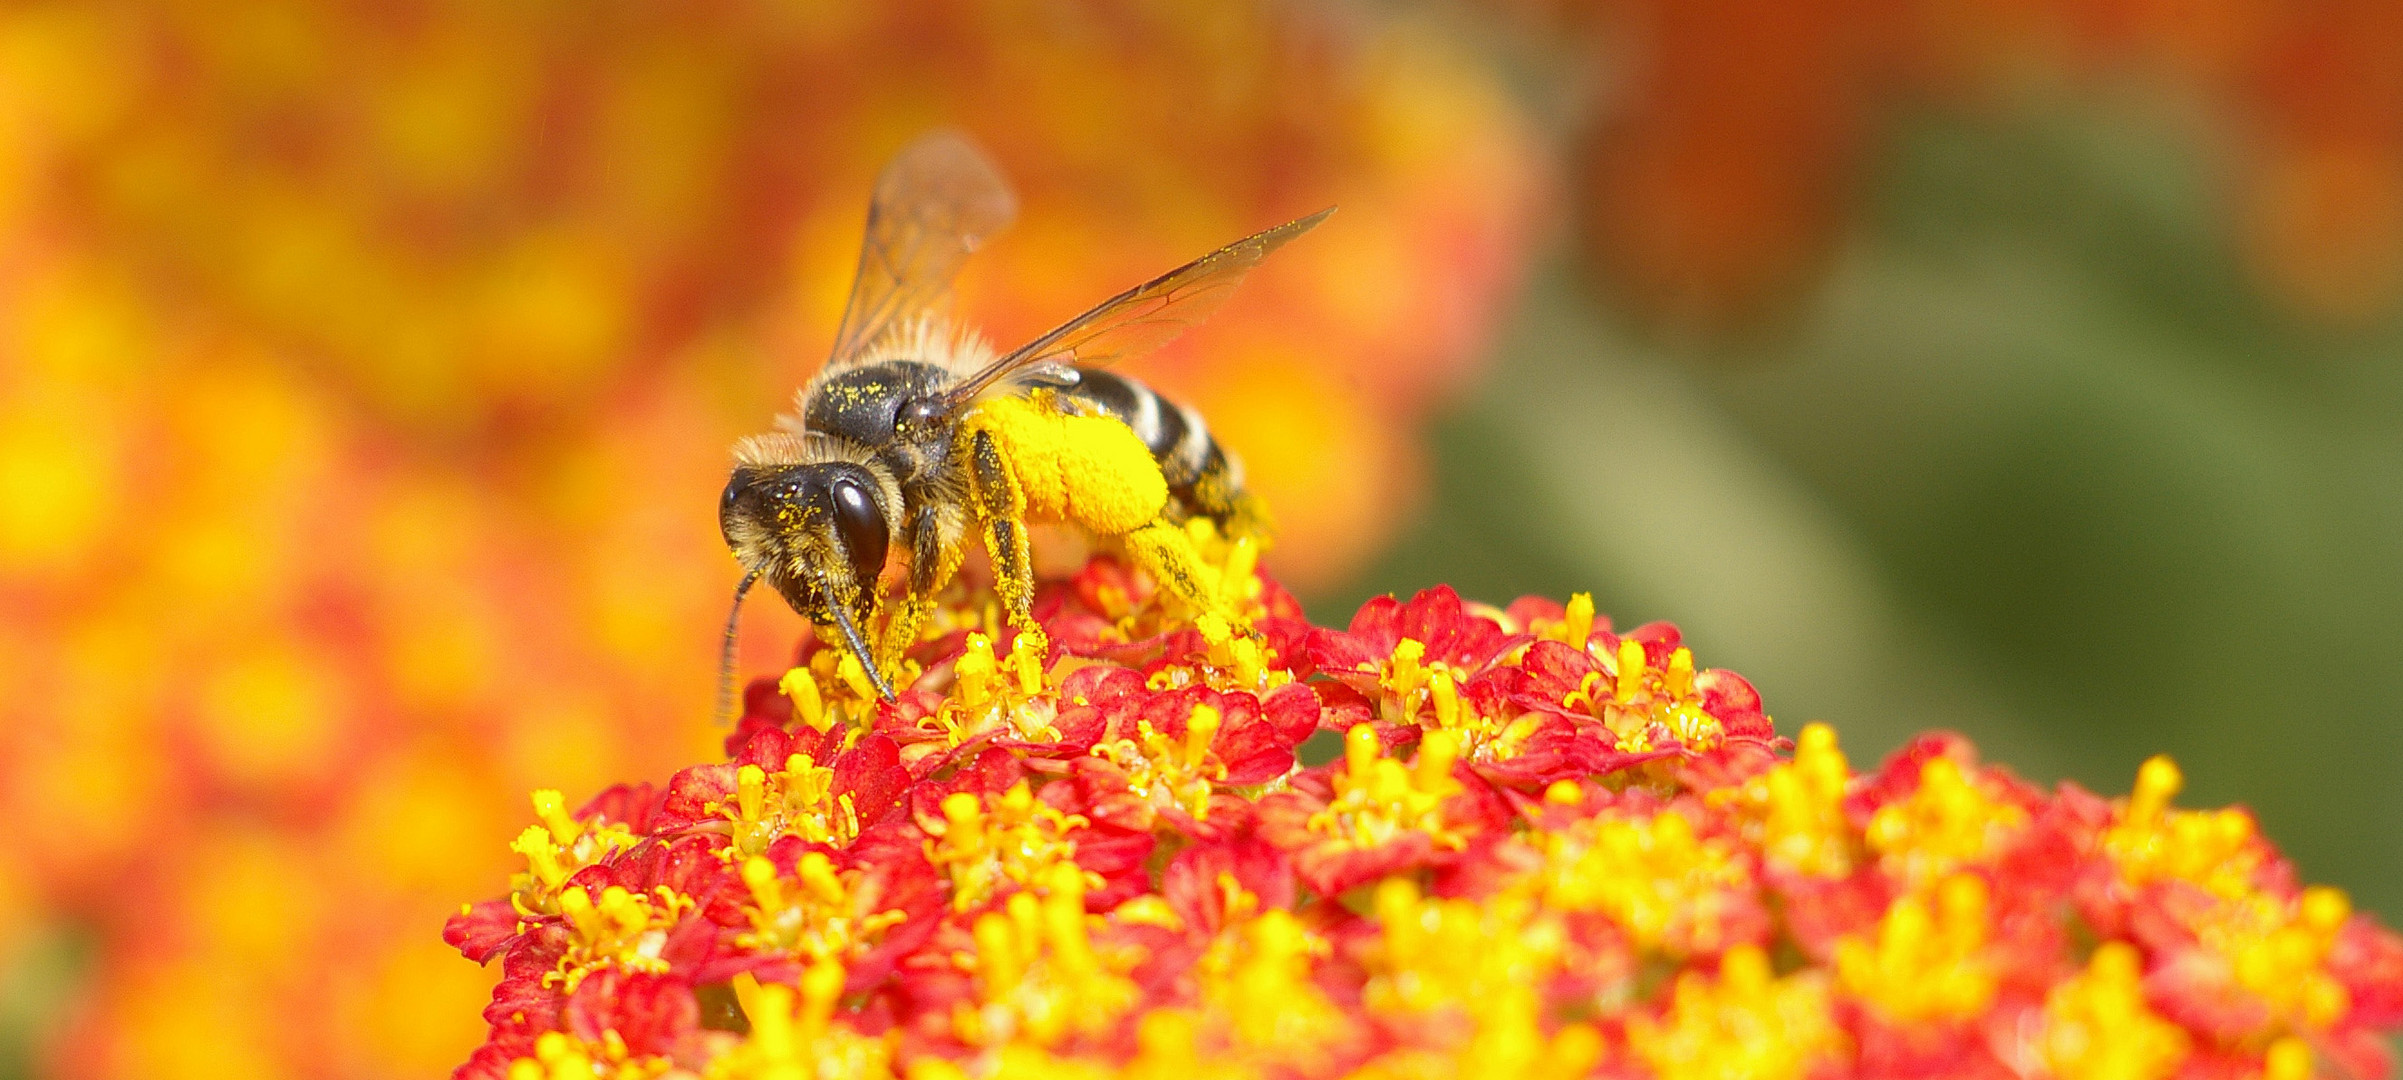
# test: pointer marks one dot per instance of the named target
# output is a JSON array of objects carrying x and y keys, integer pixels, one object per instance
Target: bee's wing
[
  {"x": 936, "y": 202},
  {"x": 1143, "y": 318}
]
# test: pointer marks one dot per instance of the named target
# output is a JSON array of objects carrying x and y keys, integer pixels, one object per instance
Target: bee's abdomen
[{"x": 1200, "y": 473}]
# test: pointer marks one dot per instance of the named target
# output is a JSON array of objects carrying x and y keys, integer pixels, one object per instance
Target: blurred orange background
[
  {"x": 369, "y": 377},
  {"x": 366, "y": 374}
]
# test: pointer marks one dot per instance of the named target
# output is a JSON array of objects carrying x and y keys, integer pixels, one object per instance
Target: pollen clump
[{"x": 1543, "y": 849}]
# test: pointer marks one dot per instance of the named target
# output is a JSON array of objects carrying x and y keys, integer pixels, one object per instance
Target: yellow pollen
[
  {"x": 2157, "y": 782},
  {"x": 1631, "y": 670},
  {"x": 1439, "y": 962},
  {"x": 1564, "y": 793},
  {"x": 1218, "y": 636},
  {"x": 2098, "y": 1027},
  {"x": 802, "y": 687},
  {"x": 550, "y": 862},
  {"x": 760, "y": 876}
]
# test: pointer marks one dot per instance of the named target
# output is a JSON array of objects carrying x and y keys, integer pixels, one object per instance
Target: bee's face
[{"x": 815, "y": 531}]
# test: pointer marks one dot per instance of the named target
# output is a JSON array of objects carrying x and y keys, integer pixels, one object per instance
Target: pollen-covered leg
[
  {"x": 1001, "y": 505},
  {"x": 935, "y": 533},
  {"x": 1167, "y": 551}
]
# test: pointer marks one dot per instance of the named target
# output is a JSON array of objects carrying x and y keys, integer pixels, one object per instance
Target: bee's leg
[
  {"x": 1167, "y": 551},
  {"x": 1001, "y": 505},
  {"x": 935, "y": 533}
]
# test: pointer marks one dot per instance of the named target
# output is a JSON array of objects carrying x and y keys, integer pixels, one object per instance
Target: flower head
[{"x": 1547, "y": 849}]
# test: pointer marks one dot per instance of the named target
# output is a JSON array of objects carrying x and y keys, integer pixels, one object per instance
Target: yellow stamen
[
  {"x": 1679, "y": 680},
  {"x": 542, "y": 855},
  {"x": 1200, "y": 731},
  {"x": 1236, "y": 581},
  {"x": 1446, "y": 698},
  {"x": 1564, "y": 793},
  {"x": 1436, "y": 753},
  {"x": 551, "y": 809},
  {"x": 1631, "y": 670},
  {"x": 799, "y": 685},
  {"x": 1403, "y": 673},
  {"x": 1027, "y": 652},
  {"x": 760, "y": 875},
  {"x": 751, "y": 791},
  {"x": 1248, "y": 663},
  {"x": 1360, "y": 753},
  {"x": 974, "y": 673},
  {"x": 855, "y": 677},
  {"x": 817, "y": 875},
  {"x": 1577, "y": 624},
  {"x": 2157, "y": 782}
]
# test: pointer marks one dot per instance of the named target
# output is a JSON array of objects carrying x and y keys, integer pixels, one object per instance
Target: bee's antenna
[
  {"x": 859, "y": 648},
  {"x": 726, "y": 652}
]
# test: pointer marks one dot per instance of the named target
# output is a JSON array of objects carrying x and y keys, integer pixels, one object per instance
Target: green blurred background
[{"x": 2033, "y": 459}]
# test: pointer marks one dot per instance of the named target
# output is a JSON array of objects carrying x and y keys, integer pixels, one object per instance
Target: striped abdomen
[{"x": 1202, "y": 476}]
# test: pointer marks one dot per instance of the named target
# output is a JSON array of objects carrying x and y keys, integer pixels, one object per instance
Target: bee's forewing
[
  {"x": 936, "y": 202},
  {"x": 1145, "y": 317}
]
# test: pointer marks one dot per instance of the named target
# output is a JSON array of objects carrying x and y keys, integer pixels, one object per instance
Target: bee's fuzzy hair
[
  {"x": 929, "y": 338},
  {"x": 782, "y": 448}
]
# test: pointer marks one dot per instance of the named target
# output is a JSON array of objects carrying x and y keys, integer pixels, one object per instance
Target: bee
[{"x": 916, "y": 432}]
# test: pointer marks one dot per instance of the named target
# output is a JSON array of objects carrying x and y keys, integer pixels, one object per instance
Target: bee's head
[{"x": 812, "y": 520}]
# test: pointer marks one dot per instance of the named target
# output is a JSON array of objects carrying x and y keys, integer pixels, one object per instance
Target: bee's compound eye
[
  {"x": 920, "y": 412},
  {"x": 860, "y": 523},
  {"x": 728, "y": 501}
]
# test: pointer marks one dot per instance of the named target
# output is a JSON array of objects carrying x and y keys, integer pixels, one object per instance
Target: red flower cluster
[{"x": 1546, "y": 849}]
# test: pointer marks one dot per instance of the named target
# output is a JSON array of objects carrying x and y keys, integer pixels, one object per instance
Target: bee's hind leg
[
  {"x": 1001, "y": 505},
  {"x": 1166, "y": 550}
]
